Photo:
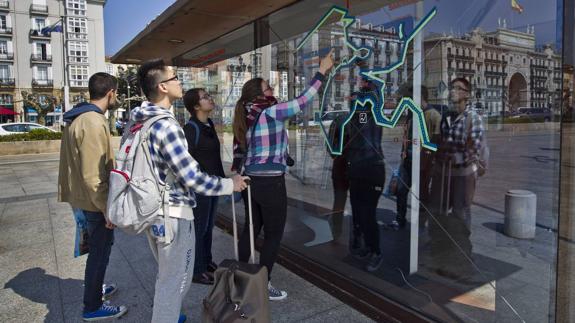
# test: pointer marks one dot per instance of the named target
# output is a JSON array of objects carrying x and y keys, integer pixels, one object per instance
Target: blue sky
[
  {"x": 459, "y": 16},
  {"x": 124, "y": 19}
]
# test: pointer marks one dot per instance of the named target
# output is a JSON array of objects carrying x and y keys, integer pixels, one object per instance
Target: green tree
[
  {"x": 129, "y": 93},
  {"x": 41, "y": 103}
]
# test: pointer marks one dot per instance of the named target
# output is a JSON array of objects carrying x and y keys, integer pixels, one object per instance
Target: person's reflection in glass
[
  {"x": 454, "y": 182},
  {"x": 340, "y": 182},
  {"x": 432, "y": 122},
  {"x": 366, "y": 172}
]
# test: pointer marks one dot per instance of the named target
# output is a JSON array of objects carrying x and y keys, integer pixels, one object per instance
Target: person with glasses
[
  {"x": 260, "y": 146},
  {"x": 453, "y": 186},
  {"x": 173, "y": 165},
  {"x": 204, "y": 146}
]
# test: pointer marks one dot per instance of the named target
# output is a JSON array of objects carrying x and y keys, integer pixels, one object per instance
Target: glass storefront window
[{"x": 466, "y": 231}]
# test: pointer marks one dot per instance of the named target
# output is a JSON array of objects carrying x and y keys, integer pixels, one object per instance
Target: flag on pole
[
  {"x": 53, "y": 28},
  {"x": 516, "y": 6}
]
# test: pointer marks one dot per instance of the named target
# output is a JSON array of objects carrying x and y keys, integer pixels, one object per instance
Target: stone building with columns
[{"x": 506, "y": 68}]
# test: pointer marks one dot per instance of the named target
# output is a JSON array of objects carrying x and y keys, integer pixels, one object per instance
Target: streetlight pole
[{"x": 129, "y": 98}]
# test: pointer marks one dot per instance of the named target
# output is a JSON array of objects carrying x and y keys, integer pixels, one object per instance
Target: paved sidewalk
[{"x": 42, "y": 282}]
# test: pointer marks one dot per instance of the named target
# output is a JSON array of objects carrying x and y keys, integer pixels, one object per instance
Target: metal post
[
  {"x": 66, "y": 105},
  {"x": 129, "y": 97},
  {"x": 415, "y": 146}
]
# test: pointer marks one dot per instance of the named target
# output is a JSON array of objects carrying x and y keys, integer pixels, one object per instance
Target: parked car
[
  {"x": 20, "y": 127},
  {"x": 535, "y": 114}
]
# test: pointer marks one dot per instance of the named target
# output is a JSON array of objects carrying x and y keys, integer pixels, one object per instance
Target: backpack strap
[
  {"x": 197, "y": 131},
  {"x": 170, "y": 177}
]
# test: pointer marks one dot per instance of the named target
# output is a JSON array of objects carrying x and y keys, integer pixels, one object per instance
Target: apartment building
[{"x": 47, "y": 46}]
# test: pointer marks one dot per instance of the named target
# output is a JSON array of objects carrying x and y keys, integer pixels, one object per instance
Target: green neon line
[{"x": 405, "y": 103}]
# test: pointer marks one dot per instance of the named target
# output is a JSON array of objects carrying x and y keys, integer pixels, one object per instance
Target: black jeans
[
  {"x": 269, "y": 211},
  {"x": 403, "y": 185},
  {"x": 204, "y": 214},
  {"x": 364, "y": 197},
  {"x": 340, "y": 188},
  {"x": 100, "y": 240}
]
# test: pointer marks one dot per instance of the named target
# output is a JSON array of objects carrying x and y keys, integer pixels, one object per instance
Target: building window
[
  {"x": 3, "y": 23},
  {"x": 77, "y": 28},
  {"x": 78, "y": 99},
  {"x": 41, "y": 50},
  {"x": 38, "y": 23},
  {"x": 78, "y": 52},
  {"x": 3, "y": 47},
  {"x": 6, "y": 100},
  {"x": 5, "y": 72},
  {"x": 42, "y": 73},
  {"x": 76, "y": 7},
  {"x": 79, "y": 76},
  {"x": 42, "y": 99}
]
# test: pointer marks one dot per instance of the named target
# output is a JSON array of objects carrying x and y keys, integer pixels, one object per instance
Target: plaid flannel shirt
[
  {"x": 169, "y": 151},
  {"x": 461, "y": 141},
  {"x": 267, "y": 148}
]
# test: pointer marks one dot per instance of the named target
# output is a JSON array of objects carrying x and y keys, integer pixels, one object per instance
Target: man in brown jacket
[{"x": 86, "y": 158}]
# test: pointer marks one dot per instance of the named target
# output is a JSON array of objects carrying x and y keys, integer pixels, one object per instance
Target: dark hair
[
  {"x": 100, "y": 84},
  {"x": 407, "y": 91},
  {"x": 462, "y": 80},
  {"x": 192, "y": 99},
  {"x": 150, "y": 75},
  {"x": 250, "y": 91}
]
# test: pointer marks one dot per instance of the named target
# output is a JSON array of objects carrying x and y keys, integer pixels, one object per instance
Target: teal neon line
[{"x": 378, "y": 112}]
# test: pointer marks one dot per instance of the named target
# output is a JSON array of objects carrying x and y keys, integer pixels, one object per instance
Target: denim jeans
[
  {"x": 100, "y": 240},
  {"x": 204, "y": 214}
]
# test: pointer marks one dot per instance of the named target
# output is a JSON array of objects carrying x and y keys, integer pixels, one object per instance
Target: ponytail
[
  {"x": 250, "y": 91},
  {"x": 239, "y": 124}
]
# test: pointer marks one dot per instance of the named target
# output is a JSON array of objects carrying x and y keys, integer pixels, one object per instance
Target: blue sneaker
[
  {"x": 108, "y": 290},
  {"x": 105, "y": 312},
  {"x": 182, "y": 318},
  {"x": 275, "y": 294}
]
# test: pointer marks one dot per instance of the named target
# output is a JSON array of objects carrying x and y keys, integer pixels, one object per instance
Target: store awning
[
  {"x": 7, "y": 112},
  {"x": 187, "y": 24},
  {"x": 201, "y": 32}
]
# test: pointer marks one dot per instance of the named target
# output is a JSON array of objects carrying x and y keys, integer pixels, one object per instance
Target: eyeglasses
[
  {"x": 205, "y": 97},
  {"x": 459, "y": 88},
  {"x": 175, "y": 78}
]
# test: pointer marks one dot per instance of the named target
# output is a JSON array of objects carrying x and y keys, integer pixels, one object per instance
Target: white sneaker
[{"x": 276, "y": 294}]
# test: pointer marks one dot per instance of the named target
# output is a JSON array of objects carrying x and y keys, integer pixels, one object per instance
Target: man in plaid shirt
[
  {"x": 458, "y": 162},
  {"x": 170, "y": 156}
]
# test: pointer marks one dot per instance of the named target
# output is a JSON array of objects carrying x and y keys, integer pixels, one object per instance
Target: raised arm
[{"x": 285, "y": 110}]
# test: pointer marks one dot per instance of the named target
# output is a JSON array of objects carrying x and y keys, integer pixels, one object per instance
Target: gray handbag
[{"x": 240, "y": 290}]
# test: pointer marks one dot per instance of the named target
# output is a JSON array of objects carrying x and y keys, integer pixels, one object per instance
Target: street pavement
[{"x": 42, "y": 281}]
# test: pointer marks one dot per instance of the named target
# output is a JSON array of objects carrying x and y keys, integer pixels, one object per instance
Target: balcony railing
[
  {"x": 40, "y": 83},
  {"x": 34, "y": 33},
  {"x": 7, "y": 56},
  {"x": 40, "y": 58},
  {"x": 6, "y": 30},
  {"x": 7, "y": 83},
  {"x": 38, "y": 9},
  {"x": 4, "y": 5}
]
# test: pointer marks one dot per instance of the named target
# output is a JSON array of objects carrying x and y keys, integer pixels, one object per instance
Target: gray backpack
[{"x": 136, "y": 197}]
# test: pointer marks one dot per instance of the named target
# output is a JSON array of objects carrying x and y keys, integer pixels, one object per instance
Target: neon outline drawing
[{"x": 362, "y": 53}]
